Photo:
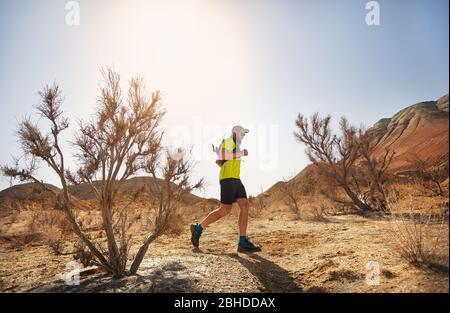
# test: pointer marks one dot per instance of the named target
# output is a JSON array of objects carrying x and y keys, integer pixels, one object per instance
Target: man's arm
[{"x": 229, "y": 155}]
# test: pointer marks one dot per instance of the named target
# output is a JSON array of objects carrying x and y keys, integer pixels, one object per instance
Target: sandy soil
[{"x": 297, "y": 256}]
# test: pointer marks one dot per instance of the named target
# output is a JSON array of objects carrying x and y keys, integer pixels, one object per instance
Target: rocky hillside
[
  {"x": 420, "y": 130},
  {"x": 26, "y": 196},
  {"x": 307, "y": 182},
  {"x": 33, "y": 196},
  {"x": 129, "y": 187}
]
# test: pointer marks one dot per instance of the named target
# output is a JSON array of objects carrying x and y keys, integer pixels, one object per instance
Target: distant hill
[
  {"x": 25, "y": 196},
  {"x": 421, "y": 129},
  {"x": 33, "y": 196},
  {"x": 130, "y": 186}
]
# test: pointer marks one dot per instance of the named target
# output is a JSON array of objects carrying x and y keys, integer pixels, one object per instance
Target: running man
[{"x": 231, "y": 190}]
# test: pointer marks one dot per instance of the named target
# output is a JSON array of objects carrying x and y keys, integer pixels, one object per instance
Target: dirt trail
[{"x": 297, "y": 256}]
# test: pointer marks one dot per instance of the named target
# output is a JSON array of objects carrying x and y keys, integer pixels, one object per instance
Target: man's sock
[
  {"x": 242, "y": 239},
  {"x": 198, "y": 228}
]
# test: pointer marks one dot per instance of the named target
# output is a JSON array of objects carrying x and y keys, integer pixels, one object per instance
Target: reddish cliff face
[{"x": 420, "y": 130}]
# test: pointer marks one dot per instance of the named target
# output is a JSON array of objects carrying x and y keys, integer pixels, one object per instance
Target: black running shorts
[{"x": 231, "y": 189}]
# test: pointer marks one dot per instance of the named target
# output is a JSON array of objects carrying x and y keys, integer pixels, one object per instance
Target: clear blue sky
[{"x": 218, "y": 63}]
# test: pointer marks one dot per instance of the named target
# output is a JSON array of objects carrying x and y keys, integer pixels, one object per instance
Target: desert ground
[
  {"x": 330, "y": 255},
  {"x": 320, "y": 246}
]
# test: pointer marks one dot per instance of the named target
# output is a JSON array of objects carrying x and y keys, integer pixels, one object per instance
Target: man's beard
[{"x": 238, "y": 144}]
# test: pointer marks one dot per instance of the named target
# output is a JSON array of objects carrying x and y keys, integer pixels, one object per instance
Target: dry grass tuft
[{"x": 421, "y": 238}]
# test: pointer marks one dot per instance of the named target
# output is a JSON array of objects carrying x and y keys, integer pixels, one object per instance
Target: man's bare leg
[
  {"x": 243, "y": 216},
  {"x": 217, "y": 214}
]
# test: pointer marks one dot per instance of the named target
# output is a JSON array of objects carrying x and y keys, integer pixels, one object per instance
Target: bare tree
[
  {"x": 115, "y": 145},
  {"x": 374, "y": 171},
  {"x": 348, "y": 159},
  {"x": 291, "y": 192},
  {"x": 175, "y": 186},
  {"x": 121, "y": 140},
  {"x": 430, "y": 175},
  {"x": 45, "y": 146}
]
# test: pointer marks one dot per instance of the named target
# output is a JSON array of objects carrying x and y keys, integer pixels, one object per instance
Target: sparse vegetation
[
  {"x": 52, "y": 227},
  {"x": 319, "y": 211},
  {"x": 83, "y": 254},
  {"x": 258, "y": 203},
  {"x": 122, "y": 139},
  {"x": 105, "y": 217},
  {"x": 348, "y": 160},
  {"x": 176, "y": 184},
  {"x": 290, "y": 190},
  {"x": 429, "y": 175},
  {"x": 421, "y": 238}
]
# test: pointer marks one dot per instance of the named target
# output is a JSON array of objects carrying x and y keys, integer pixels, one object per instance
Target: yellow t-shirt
[{"x": 231, "y": 168}]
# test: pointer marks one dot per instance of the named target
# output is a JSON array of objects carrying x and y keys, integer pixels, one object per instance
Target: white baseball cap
[{"x": 239, "y": 128}]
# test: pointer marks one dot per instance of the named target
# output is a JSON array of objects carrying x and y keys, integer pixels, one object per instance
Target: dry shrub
[
  {"x": 53, "y": 228},
  {"x": 349, "y": 160},
  {"x": 87, "y": 221},
  {"x": 409, "y": 185},
  {"x": 83, "y": 254},
  {"x": 318, "y": 209},
  {"x": 429, "y": 174},
  {"x": 8, "y": 221},
  {"x": 176, "y": 225},
  {"x": 258, "y": 203},
  {"x": 145, "y": 220},
  {"x": 126, "y": 123},
  {"x": 291, "y": 196},
  {"x": 344, "y": 275},
  {"x": 92, "y": 221},
  {"x": 19, "y": 231},
  {"x": 421, "y": 239},
  {"x": 253, "y": 211},
  {"x": 18, "y": 241},
  {"x": 319, "y": 212},
  {"x": 406, "y": 197}
]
